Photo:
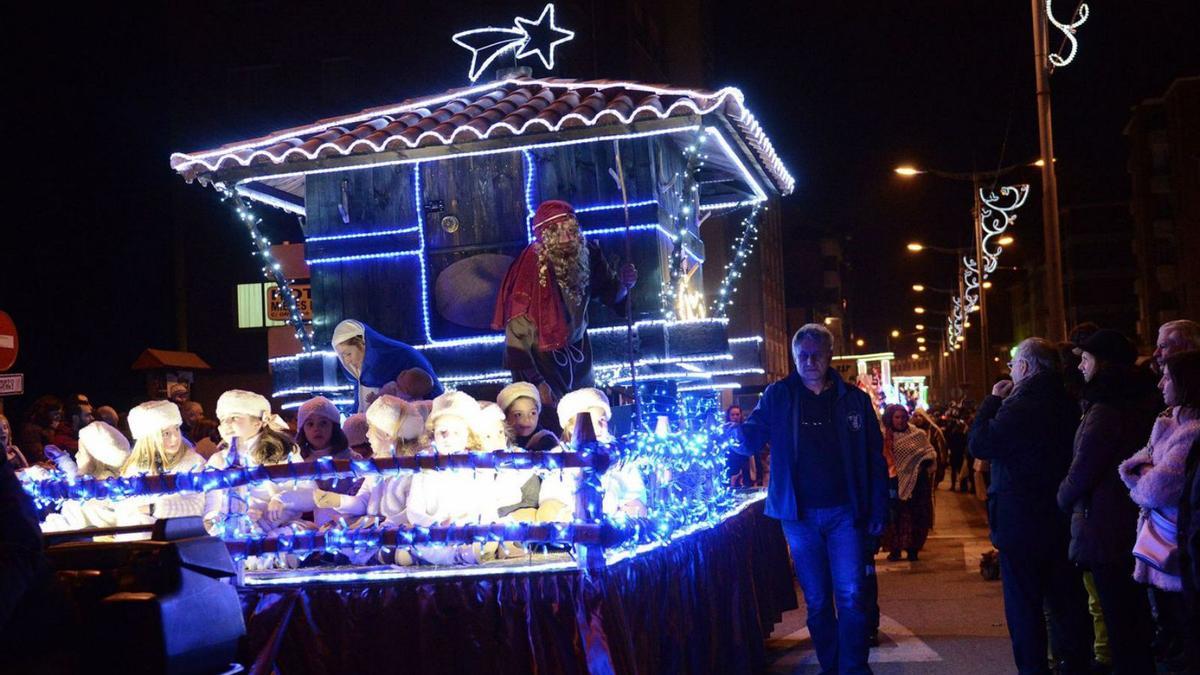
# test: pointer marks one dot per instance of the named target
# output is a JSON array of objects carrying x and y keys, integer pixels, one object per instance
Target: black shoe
[
  {"x": 894, "y": 556},
  {"x": 912, "y": 556}
]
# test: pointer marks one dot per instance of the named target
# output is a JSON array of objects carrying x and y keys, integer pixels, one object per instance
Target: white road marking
[{"x": 900, "y": 646}]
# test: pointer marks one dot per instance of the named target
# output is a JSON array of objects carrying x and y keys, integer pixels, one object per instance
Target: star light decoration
[{"x": 526, "y": 38}]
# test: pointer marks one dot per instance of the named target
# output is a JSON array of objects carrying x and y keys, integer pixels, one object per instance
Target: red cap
[{"x": 551, "y": 210}]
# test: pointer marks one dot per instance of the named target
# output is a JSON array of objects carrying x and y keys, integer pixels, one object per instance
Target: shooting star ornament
[{"x": 526, "y": 38}]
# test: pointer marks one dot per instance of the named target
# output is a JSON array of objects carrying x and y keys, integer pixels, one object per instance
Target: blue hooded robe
[{"x": 383, "y": 360}]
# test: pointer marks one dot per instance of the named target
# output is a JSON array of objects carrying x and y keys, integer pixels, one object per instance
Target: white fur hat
[
  {"x": 515, "y": 391},
  {"x": 579, "y": 401},
  {"x": 151, "y": 417},
  {"x": 395, "y": 416},
  {"x": 241, "y": 402},
  {"x": 489, "y": 413},
  {"x": 454, "y": 403},
  {"x": 346, "y": 330},
  {"x": 104, "y": 444},
  {"x": 319, "y": 406},
  {"x": 355, "y": 428}
]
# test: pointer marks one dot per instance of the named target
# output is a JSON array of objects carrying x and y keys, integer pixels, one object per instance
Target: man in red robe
[{"x": 543, "y": 303}]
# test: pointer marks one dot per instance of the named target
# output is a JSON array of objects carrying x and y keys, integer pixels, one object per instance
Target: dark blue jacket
[
  {"x": 776, "y": 420},
  {"x": 384, "y": 359},
  {"x": 1029, "y": 439}
]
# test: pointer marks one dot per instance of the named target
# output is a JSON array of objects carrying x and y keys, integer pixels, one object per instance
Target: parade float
[{"x": 411, "y": 214}]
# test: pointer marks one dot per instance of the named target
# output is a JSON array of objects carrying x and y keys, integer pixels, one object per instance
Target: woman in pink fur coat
[{"x": 1156, "y": 476}]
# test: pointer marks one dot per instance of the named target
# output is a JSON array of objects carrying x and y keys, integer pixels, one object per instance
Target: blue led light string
[
  {"x": 419, "y": 205},
  {"x": 60, "y": 488},
  {"x": 271, "y": 268}
]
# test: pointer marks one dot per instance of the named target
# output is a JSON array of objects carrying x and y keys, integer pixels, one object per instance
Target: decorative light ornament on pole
[
  {"x": 1068, "y": 31},
  {"x": 526, "y": 38}
]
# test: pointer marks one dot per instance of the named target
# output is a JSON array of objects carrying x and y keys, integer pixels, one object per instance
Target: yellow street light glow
[
  {"x": 907, "y": 171},
  {"x": 922, "y": 348},
  {"x": 944, "y": 354},
  {"x": 829, "y": 321},
  {"x": 920, "y": 326},
  {"x": 966, "y": 324},
  {"x": 1042, "y": 162},
  {"x": 916, "y": 357},
  {"x": 921, "y": 340},
  {"x": 996, "y": 359},
  {"x": 962, "y": 338},
  {"x": 915, "y": 247},
  {"x": 919, "y": 310},
  {"x": 860, "y": 342},
  {"x": 895, "y": 333},
  {"x": 987, "y": 284},
  {"x": 918, "y": 288},
  {"x": 1005, "y": 240}
]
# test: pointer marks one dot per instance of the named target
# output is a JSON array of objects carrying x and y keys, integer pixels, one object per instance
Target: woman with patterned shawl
[{"x": 912, "y": 460}]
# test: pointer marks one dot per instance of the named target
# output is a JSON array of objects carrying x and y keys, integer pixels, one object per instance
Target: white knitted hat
[
  {"x": 454, "y": 403},
  {"x": 346, "y": 330},
  {"x": 388, "y": 414},
  {"x": 515, "y": 391},
  {"x": 104, "y": 444},
  {"x": 152, "y": 417},
  {"x": 241, "y": 402},
  {"x": 579, "y": 401},
  {"x": 319, "y": 406}
]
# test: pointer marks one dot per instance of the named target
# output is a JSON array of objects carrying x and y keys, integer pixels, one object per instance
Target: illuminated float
[{"x": 400, "y": 204}]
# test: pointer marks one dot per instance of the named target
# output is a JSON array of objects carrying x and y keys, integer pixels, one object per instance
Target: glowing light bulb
[
  {"x": 919, "y": 310},
  {"x": 918, "y": 288},
  {"x": 915, "y": 247},
  {"x": 907, "y": 171}
]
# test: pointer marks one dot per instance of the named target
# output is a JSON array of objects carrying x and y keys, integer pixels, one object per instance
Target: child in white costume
[
  {"x": 252, "y": 437},
  {"x": 319, "y": 434},
  {"x": 158, "y": 449},
  {"x": 624, "y": 488},
  {"x": 393, "y": 426},
  {"x": 102, "y": 452}
]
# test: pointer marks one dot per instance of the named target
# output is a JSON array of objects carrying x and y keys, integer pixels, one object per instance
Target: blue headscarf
[{"x": 383, "y": 358}]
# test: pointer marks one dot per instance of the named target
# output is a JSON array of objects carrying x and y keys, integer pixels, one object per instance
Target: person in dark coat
[
  {"x": 1118, "y": 415},
  {"x": 828, "y": 488},
  {"x": 1026, "y": 430}
]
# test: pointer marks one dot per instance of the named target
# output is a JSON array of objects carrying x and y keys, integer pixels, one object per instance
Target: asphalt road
[{"x": 939, "y": 614}]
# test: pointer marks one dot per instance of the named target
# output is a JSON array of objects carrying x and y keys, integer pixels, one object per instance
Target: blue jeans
[{"x": 827, "y": 550}]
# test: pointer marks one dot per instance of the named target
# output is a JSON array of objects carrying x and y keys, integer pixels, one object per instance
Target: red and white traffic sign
[{"x": 8, "y": 342}]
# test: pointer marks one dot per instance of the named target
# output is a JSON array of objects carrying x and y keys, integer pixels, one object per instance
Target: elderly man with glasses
[
  {"x": 1026, "y": 429},
  {"x": 829, "y": 489}
]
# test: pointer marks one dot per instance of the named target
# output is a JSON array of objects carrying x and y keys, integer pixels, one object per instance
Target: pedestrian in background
[
  {"x": 913, "y": 458},
  {"x": 1026, "y": 429}
]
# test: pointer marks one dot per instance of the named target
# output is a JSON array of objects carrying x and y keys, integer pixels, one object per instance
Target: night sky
[{"x": 103, "y": 95}]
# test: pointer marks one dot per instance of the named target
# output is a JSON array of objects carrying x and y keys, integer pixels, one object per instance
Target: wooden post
[{"x": 589, "y": 498}]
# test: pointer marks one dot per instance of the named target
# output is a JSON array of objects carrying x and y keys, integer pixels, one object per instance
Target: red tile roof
[{"x": 504, "y": 108}]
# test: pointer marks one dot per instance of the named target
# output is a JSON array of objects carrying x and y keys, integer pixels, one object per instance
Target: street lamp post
[{"x": 1056, "y": 320}]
